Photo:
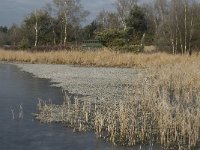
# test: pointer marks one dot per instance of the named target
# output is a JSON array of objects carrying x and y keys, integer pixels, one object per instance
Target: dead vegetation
[
  {"x": 164, "y": 108},
  {"x": 103, "y": 58}
]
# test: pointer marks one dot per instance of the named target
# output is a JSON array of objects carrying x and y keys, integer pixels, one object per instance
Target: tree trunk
[
  {"x": 173, "y": 47},
  {"x": 185, "y": 26},
  {"x": 54, "y": 37},
  {"x": 36, "y": 28},
  {"x": 124, "y": 25},
  {"x": 191, "y": 32},
  {"x": 65, "y": 30}
]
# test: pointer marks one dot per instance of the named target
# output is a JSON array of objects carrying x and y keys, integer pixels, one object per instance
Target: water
[{"x": 20, "y": 88}]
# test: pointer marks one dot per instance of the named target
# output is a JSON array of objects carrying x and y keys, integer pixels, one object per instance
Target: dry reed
[
  {"x": 164, "y": 108},
  {"x": 103, "y": 58}
]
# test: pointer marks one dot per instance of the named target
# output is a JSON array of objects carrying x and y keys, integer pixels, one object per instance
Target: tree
[
  {"x": 4, "y": 36},
  {"x": 70, "y": 12},
  {"x": 89, "y": 31},
  {"x": 151, "y": 25},
  {"x": 15, "y": 34},
  {"x": 123, "y": 8},
  {"x": 4, "y": 29},
  {"x": 37, "y": 28},
  {"x": 136, "y": 21},
  {"x": 108, "y": 20},
  {"x": 177, "y": 26},
  {"x": 112, "y": 37}
]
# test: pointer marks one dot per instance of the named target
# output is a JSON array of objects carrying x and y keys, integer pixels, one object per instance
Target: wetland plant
[
  {"x": 164, "y": 108},
  {"x": 21, "y": 114}
]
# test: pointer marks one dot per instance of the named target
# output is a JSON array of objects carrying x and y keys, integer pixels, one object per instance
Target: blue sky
[{"x": 13, "y": 11}]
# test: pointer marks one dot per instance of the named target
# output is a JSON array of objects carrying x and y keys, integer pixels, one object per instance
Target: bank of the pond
[
  {"x": 91, "y": 82},
  {"x": 21, "y": 88},
  {"x": 160, "y": 106}
]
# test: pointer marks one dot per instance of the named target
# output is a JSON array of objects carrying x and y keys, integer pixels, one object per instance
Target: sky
[{"x": 14, "y": 11}]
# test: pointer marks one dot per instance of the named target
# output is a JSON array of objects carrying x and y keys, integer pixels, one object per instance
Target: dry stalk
[{"x": 164, "y": 108}]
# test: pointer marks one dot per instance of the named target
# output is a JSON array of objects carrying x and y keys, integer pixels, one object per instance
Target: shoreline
[
  {"x": 91, "y": 82},
  {"x": 155, "y": 103}
]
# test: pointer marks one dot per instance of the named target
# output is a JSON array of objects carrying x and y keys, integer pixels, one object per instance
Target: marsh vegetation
[
  {"x": 102, "y": 58},
  {"x": 164, "y": 107}
]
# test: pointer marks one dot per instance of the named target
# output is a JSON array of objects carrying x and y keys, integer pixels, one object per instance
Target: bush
[
  {"x": 24, "y": 44},
  {"x": 111, "y": 37},
  {"x": 130, "y": 48},
  {"x": 117, "y": 42}
]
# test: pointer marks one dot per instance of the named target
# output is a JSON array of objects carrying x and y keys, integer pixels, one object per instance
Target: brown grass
[
  {"x": 164, "y": 107},
  {"x": 105, "y": 58}
]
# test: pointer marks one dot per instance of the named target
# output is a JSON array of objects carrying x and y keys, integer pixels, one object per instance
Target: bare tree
[
  {"x": 51, "y": 12},
  {"x": 15, "y": 34},
  {"x": 36, "y": 28},
  {"x": 71, "y": 12},
  {"x": 67, "y": 6},
  {"x": 123, "y": 10},
  {"x": 64, "y": 8},
  {"x": 176, "y": 24},
  {"x": 160, "y": 9},
  {"x": 108, "y": 20},
  {"x": 194, "y": 21}
]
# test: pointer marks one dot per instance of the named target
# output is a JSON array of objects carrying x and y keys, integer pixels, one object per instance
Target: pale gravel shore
[{"x": 92, "y": 82}]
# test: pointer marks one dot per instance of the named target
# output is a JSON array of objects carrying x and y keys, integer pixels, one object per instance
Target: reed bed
[
  {"x": 103, "y": 58},
  {"x": 164, "y": 108}
]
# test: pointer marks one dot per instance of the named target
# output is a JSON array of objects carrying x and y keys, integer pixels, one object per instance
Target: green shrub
[
  {"x": 130, "y": 48},
  {"x": 111, "y": 37},
  {"x": 117, "y": 42},
  {"x": 24, "y": 44}
]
